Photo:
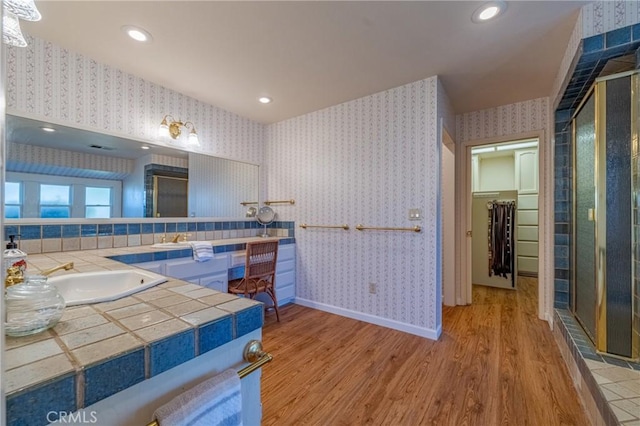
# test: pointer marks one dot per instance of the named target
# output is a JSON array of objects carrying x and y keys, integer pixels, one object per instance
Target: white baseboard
[{"x": 429, "y": 333}]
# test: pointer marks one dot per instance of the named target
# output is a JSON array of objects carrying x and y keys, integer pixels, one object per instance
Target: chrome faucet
[{"x": 66, "y": 266}]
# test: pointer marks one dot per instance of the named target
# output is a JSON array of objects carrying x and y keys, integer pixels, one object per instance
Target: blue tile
[
  {"x": 134, "y": 228},
  {"x": 170, "y": 352},
  {"x": 201, "y": 226},
  {"x": 208, "y": 226},
  {"x": 635, "y": 32},
  {"x": 249, "y": 320},
  {"x": 561, "y": 297},
  {"x": 33, "y": 407},
  {"x": 191, "y": 227},
  {"x": 70, "y": 231},
  {"x": 107, "y": 378},
  {"x": 146, "y": 228},
  {"x": 120, "y": 229},
  {"x": 160, "y": 255},
  {"x": 561, "y": 239},
  {"x": 618, "y": 37},
  {"x": 226, "y": 226},
  {"x": 561, "y": 285},
  {"x": 90, "y": 230},
  {"x": 215, "y": 334},
  {"x": 593, "y": 44},
  {"x": 30, "y": 232},
  {"x": 10, "y": 230},
  {"x": 171, "y": 227},
  {"x": 217, "y": 226},
  {"x": 105, "y": 229},
  {"x": 51, "y": 231},
  {"x": 181, "y": 227},
  {"x": 236, "y": 272}
]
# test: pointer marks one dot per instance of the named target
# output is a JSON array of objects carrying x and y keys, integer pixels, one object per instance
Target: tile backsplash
[{"x": 50, "y": 238}]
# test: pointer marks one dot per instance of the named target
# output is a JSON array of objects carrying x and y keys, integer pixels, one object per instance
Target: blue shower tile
[
  {"x": 181, "y": 227},
  {"x": 562, "y": 240},
  {"x": 159, "y": 228},
  {"x": 561, "y": 297},
  {"x": 120, "y": 229},
  {"x": 170, "y": 352},
  {"x": 217, "y": 226},
  {"x": 160, "y": 255},
  {"x": 88, "y": 230},
  {"x": 70, "y": 231},
  {"x": 561, "y": 285},
  {"x": 146, "y": 228},
  {"x": 635, "y": 32},
  {"x": 208, "y": 226},
  {"x": 201, "y": 226},
  {"x": 593, "y": 44},
  {"x": 107, "y": 378},
  {"x": 235, "y": 273},
  {"x": 134, "y": 228},
  {"x": 30, "y": 232},
  {"x": 105, "y": 229},
  {"x": 51, "y": 231},
  {"x": 249, "y": 320},
  {"x": 215, "y": 334},
  {"x": 226, "y": 226},
  {"x": 171, "y": 227},
  {"x": 191, "y": 227},
  {"x": 42, "y": 405},
  {"x": 618, "y": 37}
]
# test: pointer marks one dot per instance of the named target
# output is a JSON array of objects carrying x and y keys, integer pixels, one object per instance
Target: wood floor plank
[{"x": 495, "y": 364}]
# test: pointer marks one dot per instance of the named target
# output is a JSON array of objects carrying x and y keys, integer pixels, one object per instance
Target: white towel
[
  {"x": 214, "y": 402},
  {"x": 202, "y": 251}
]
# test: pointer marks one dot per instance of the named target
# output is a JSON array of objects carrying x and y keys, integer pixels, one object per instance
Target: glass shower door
[{"x": 584, "y": 296}]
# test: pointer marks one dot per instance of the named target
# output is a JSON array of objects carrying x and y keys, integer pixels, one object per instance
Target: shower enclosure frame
[{"x": 599, "y": 213}]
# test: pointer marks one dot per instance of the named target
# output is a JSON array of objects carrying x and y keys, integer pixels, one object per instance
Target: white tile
[
  {"x": 161, "y": 330},
  {"x": 622, "y": 415},
  {"x": 174, "y": 299},
  {"x": 144, "y": 320},
  {"x": 185, "y": 288},
  {"x": 146, "y": 239},
  {"x": 186, "y": 307},
  {"x": 70, "y": 244},
  {"x": 88, "y": 243},
  {"x": 152, "y": 294},
  {"x": 217, "y": 299},
  {"x": 15, "y": 342},
  {"x": 31, "y": 246},
  {"x": 30, "y": 353},
  {"x": 120, "y": 303},
  {"x": 201, "y": 292},
  {"x": 65, "y": 327},
  {"x": 622, "y": 391},
  {"x": 36, "y": 372},
  {"x": 130, "y": 310},
  {"x": 105, "y": 241},
  {"x": 50, "y": 245},
  {"x": 628, "y": 406},
  {"x": 204, "y": 316},
  {"x": 91, "y": 335},
  {"x": 77, "y": 312},
  {"x": 240, "y": 304},
  {"x": 133, "y": 240},
  {"x": 119, "y": 241},
  {"x": 105, "y": 349}
]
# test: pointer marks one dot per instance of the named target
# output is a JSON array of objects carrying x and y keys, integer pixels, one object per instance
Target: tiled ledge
[
  {"x": 609, "y": 387},
  {"x": 98, "y": 350}
]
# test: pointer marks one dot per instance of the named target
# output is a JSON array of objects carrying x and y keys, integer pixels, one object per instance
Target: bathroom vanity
[{"x": 117, "y": 361}]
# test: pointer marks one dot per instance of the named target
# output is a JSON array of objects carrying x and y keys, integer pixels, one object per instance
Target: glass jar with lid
[{"x": 32, "y": 306}]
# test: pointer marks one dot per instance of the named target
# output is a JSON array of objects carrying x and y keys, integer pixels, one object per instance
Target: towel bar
[
  {"x": 269, "y": 202},
  {"x": 248, "y": 203},
  {"x": 375, "y": 228},
  {"x": 345, "y": 226},
  {"x": 252, "y": 353}
]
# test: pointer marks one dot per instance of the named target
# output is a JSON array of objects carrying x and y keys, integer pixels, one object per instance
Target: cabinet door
[
  {"x": 215, "y": 282},
  {"x": 155, "y": 266},
  {"x": 187, "y": 267},
  {"x": 526, "y": 168}
]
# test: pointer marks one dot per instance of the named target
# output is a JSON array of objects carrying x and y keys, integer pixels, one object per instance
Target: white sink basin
[
  {"x": 103, "y": 286},
  {"x": 179, "y": 245}
]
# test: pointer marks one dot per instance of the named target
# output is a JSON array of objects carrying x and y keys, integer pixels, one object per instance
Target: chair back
[{"x": 261, "y": 259}]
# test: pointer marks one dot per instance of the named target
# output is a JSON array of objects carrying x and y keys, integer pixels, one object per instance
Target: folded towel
[
  {"x": 216, "y": 401},
  {"x": 202, "y": 251}
]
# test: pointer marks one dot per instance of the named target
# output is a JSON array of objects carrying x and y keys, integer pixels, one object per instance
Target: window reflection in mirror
[{"x": 105, "y": 176}]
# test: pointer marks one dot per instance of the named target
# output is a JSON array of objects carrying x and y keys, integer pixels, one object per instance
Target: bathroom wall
[{"x": 366, "y": 161}]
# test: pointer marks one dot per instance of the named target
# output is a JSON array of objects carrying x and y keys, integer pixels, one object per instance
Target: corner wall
[{"x": 365, "y": 161}]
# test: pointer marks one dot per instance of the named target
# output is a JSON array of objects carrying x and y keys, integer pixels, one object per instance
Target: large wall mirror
[{"x": 57, "y": 171}]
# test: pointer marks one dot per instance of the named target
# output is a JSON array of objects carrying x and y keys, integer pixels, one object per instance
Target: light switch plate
[{"x": 415, "y": 214}]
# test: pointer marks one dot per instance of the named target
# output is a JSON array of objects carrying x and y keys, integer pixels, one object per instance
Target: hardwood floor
[{"x": 495, "y": 364}]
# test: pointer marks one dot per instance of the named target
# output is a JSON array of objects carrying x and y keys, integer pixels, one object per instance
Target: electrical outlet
[
  {"x": 415, "y": 214},
  {"x": 373, "y": 288}
]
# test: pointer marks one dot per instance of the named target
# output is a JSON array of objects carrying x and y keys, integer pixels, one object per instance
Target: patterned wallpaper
[
  {"x": 366, "y": 161},
  {"x": 505, "y": 120},
  {"x": 48, "y": 81},
  {"x": 601, "y": 16}
]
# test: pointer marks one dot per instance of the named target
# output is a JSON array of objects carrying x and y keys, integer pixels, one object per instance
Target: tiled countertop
[{"x": 100, "y": 349}]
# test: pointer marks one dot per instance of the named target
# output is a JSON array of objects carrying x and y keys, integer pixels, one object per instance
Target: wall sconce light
[{"x": 172, "y": 129}]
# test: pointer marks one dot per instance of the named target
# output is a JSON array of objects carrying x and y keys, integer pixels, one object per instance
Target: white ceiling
[{"x": 311, "y": 55}]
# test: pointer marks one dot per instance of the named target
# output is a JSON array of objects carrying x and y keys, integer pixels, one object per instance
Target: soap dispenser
[{"x": 13, "y": 257}]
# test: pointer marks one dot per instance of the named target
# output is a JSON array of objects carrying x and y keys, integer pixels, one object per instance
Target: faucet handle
[
  {"x": 184, "y": 236},
  {"x": 163, "y": 239}
]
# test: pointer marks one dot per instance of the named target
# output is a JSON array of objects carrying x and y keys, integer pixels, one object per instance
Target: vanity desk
[{"x": 116, "y": 362}]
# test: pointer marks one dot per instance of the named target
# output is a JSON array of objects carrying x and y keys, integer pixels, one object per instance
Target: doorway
[{"x": 503, "y": 204}]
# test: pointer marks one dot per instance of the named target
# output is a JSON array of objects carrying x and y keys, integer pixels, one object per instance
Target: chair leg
[{"x": 275, "y": 303}]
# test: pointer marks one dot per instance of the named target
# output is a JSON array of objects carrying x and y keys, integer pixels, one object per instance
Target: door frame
[{"x": 463, "y": 289}]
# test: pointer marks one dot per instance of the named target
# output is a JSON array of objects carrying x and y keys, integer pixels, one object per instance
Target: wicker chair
[{"x": 259, "y": 272}]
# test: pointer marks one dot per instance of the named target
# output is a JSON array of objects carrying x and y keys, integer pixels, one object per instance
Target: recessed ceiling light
[
  {"x": 264, "y": 100},
  {"x": 48, "y": 129},
  {"x": 489, "y": 11},
  {"x": 144, "y": 147},
  {"x": 137, "y": 33}
]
